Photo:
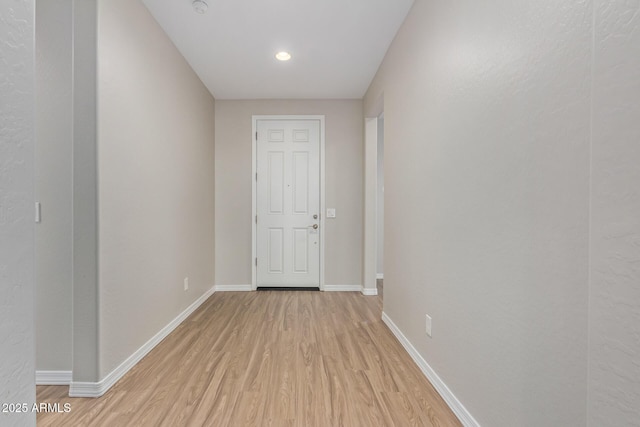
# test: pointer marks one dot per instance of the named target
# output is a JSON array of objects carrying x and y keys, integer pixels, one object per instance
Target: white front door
[{"x": 288, "y": 203}]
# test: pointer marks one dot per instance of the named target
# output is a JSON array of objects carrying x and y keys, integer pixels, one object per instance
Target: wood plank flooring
[{"x": 268, "y": 359}]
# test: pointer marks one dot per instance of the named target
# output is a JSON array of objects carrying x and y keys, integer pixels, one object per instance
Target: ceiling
[{"x": 337, "y": 45}]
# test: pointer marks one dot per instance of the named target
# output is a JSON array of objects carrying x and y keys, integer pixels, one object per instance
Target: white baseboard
[
  {"x": 88, "y": 389},
  {"x": 456, "y": 406},
  {"x": 379, "y": 276},
  {"x": 342, "y": 288},
  {"x": 53, "y": 377},
  {"x": 369, "y": 291},
  {"x": 97, "y": 389},
  {"x": 233, "y": 288}
]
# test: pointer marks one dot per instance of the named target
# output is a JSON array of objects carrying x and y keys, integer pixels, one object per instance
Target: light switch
[{"x": 331, "y": 213}]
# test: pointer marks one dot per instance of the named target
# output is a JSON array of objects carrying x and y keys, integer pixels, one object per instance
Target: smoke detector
[{"x": 200, "y": 6}]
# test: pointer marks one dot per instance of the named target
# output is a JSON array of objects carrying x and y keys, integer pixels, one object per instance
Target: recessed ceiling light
[
  {"x": 283, "y": 56},
  {"x": 200, "y": 6}
]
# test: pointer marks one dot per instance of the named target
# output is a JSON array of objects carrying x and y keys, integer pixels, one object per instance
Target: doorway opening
[
  {"x": 380, "y": 207},
  {"x": 373, "y": 265}
]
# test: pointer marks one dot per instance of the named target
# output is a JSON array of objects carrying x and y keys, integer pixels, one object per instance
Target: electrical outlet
[
  {"x": 186, "y": 283},
  {"x": 428, "y": 325}
]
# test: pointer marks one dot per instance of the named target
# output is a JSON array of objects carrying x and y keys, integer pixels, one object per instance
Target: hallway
[{"x": 268, "y": 358}]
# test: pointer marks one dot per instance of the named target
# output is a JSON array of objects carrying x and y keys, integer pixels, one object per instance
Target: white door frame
[
  {"x": 370, "y": 228},
  {"x": 254, "y": 193}
]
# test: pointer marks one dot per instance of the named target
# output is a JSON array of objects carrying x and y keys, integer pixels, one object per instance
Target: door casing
[{"x": 254, "y": 207}]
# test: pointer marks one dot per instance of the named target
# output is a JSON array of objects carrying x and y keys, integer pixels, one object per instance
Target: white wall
[
  {"x": 344, "y": 171},
  {"x": 487, "y": 138},
  {"x": 17, "y": 351},
  {"x": 156, "y": 180},
  {"x": 54, "y": 168},
  {"x": 614, "y": 309}
]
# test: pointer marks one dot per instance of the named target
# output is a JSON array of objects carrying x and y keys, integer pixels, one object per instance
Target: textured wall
[
  {"x": 487, "y": 137},
  {"x": 614, "y": 316},
  {"x": 53, "y": 184},
  {"x": 156, "y": 180},
  {"x": 344, "y": 171},
  {"x": 17, "y": 352}
]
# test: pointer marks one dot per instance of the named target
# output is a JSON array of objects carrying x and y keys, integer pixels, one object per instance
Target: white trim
[
  {"x": 233, "y": 288},
  {"x": 97, "y": 389},
  {"x": 456, "y": 406},
  {"x": 369, "y": 291},
  {"x": 323, "y": 205},
  {"x": 379, "y": 276},
  {"x": 53, "y": 377},
  {"x": 254, "y": 205},
  {"x": 342, "y": 288},
  {"x": 254, "y": 128}
]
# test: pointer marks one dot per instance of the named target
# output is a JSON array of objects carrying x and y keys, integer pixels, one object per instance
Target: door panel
[
  {"x": 301, "y": 183},
  {"x": 301, "y": 250},
  {"x": 275, "y": 175},
  {"x": 287, "y": 198},
  {"x": 276, "y": 250}
]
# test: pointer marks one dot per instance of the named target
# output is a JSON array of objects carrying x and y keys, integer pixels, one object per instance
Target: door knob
[{"x": 315, "y": 226}]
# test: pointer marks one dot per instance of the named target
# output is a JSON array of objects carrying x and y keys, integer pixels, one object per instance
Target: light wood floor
[{"x": 268, "y": 359}]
